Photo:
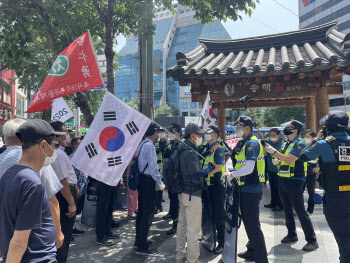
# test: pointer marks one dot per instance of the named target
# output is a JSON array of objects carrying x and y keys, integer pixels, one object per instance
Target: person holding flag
[{"x": 147, "y": 162}]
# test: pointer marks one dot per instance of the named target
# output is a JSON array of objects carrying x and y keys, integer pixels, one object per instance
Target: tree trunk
[
  {"x": 84, "y": 107},
  {"x": 109, "y": 48}
]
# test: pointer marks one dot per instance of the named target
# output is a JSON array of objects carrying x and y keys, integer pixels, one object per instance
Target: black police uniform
[{"x": 334, "y": 160}]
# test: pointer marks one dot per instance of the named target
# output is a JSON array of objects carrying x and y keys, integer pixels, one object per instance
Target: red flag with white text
[{"x": 75, "y": 69}]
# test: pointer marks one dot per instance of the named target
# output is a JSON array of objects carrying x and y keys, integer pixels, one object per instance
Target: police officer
[
  {"x": 292, "y": 172},
  {"x": 334, "y": 162},
  {"x": 174, "y": 136},
  {"x": 160, "y": 145},
  {"x": 249, "y": 169},
  {"x": 216, "y": 189}
]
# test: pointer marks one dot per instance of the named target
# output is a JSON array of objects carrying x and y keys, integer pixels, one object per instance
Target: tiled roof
[{"x": 297, "y": 51}]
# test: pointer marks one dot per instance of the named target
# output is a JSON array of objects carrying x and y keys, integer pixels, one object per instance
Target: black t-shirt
[{"x": 24, "y": 206}]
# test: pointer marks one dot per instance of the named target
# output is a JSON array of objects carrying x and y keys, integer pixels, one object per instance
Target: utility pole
[{"x": 145, "y": 69}]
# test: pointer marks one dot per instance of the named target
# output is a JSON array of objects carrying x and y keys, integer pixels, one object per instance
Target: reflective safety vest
[
  {"x": 213, "y": 178},
  {"x": 288, "y": 170},
  {"x": 258, "y": 174},
  {"x": 159, "y": 153},
  {"x": 336, "y": 176}
]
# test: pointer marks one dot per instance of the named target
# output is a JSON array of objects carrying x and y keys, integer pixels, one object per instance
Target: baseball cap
[
  {"x": 294, "y": 124},
  {"x": 246, "y": 121},
  {"x": 152, "y": 128},
  {"x": 213, "y": 129},
  {"x": 193, "y": 128},
  {"x": 174, "y": 127},
  {"x": 34, "y": 130}
]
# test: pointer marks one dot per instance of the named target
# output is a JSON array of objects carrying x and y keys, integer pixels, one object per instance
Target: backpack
[
  {"x": 135, "y": 177},
  {"x": 172, "y": 173}
]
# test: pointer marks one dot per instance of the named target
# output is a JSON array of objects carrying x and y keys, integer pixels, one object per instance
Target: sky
[{"x": 268, "y": 18}]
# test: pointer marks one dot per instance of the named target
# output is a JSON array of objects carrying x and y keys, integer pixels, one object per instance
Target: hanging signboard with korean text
[{"x": 75, "y": 69}]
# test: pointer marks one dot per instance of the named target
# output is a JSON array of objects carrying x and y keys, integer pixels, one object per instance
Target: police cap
[{"x": 337, "y": 120}]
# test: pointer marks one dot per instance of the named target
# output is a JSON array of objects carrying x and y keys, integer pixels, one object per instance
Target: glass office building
[
  {"x": 174, "y": 33},
  {"x": 317, "y": 12}
]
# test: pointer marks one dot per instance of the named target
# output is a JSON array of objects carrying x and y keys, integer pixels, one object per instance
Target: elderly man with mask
[
  {"x": 27, "y": 232},
  {"x": 292, "y": 172}
]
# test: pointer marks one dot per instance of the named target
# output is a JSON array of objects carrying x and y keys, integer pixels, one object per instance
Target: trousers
[
  {"x": 336, "y": 208},
  {"x": 145, "y": 214},
  {"x": 275, "y": 196},
  {"x": 249, "y": 205},
  {"x": 106, "y": 196},
  {"x": 66, "y": 225},
  {"x": 217, "y": 201},
  {"x": 174, "y": 207},
  {"x": 310, "y": 184},
  {"x": 291, "y": 193}
]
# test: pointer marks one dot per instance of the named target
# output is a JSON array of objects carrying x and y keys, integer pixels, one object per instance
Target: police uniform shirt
[
  {"x": 296, "y": 151},
  {"x": 252, "y": 150},
  {"x": 219, "y": 155},
  {"x": 162, "y": 146},
  {"x": 270, "y": 166},
  {"x": 170, "y": 149}
]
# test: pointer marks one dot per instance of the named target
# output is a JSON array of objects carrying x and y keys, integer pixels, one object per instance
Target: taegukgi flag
[
  {"x": 75, "y": 69},
  {"x": 60, "y": 111},
  {"x": 208, "y": 114},
  {"x": 111, "y": 141}
]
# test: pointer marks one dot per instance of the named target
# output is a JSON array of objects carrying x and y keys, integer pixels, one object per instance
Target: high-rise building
[
  {"x": 174, "y": 33},
  {"x": 317, "y": 12}
]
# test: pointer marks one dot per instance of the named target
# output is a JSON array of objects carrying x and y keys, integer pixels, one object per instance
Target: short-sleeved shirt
[
  {"x": 296, "y": 151},
  {"x": 251, "y": 154},
  {"x": 270, "y": 166},
  {"x": 82, "y": 179},
  {"x": 24, "y": 206},
  {"x": 219, "y": 155},
  {"x": 63, "y": 167},
  {"x": 47, "y": 174}
]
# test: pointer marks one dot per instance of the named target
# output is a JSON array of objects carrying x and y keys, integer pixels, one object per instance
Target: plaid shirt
[{"x": 82, "y": 179}]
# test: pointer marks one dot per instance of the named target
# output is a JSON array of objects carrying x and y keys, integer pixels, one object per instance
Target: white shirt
[{"x": 63, "y": 167}]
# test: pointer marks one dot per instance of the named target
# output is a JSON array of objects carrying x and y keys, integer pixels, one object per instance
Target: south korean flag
[
  {"x": 208, "y": 114},
  {"x": 111, "y": 141}
]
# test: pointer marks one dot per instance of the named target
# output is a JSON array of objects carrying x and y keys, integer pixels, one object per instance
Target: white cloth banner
[
  {"x": 208, "y": 114},
  {"x": 111, "y": 141},
  {"x": 60, "y": 111}
]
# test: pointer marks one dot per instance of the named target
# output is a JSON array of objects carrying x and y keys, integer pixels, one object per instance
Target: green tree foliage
[
  {"x": 165, "y": 111},
  {"x": 133, "y": 104}
]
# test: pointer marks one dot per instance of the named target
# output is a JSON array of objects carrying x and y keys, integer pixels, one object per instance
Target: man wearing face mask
[
  {"x": 249, "y": 170},
  {"x": 333, "y": 154},
  {"x": 27, "y": 232},
  {"x": 292, "y": 172},
  {"x": 216, "y": 189},
  {"x": 190, "y": 213},
  {"x": 67, "y": 195},
  {"x": 160, "y": 145},
  {"x": 272, "y": 170},
  {"x": 174, "y": 137},
  {"x": 67, "y": 143},
  {"x": 312, "y": 170},
  {"x": 49, "y": 180}
]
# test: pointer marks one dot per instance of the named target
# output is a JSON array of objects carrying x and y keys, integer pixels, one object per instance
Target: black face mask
[{"x": 287, "y": 131}]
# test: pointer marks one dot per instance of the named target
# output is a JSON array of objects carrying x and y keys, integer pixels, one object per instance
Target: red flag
[{"x": 75, "y": 69}]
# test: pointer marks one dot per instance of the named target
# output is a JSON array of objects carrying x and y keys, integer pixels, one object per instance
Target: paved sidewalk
[{"x": 84, "y": 249}]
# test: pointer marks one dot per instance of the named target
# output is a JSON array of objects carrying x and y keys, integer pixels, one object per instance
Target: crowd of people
[{"x": 41, "y": 192}]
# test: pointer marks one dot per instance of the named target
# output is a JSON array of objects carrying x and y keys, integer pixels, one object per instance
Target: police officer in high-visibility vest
[
  {"x": 249, "y": 170},
  {"x": 160, "y": 145},
  {"x": 334, "y": 159},
  {"x": 215, "y": 184},
  {"x": 292, "y": 172}
]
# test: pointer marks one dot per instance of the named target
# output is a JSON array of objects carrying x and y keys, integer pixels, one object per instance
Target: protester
[
  {"x": 292, "y": 172},
  {"x": 82, "y": 187},
  {"x": 148, "y": 167},
  {"x": 47, "y": 175},
  {"x": 249, "y": 168},
  {"x": 67, "y": 195},
  {"x": 27, "y": 232},
  {"x": 215, "y": 185},
  {"x": 272, "y": 170},
  {"x": 312, "y": 170},
  {"x": 160, "y": 145},
  {"x": 174, "y": 139},
  {"x": 67, "y": 142},
  {"x": 190, "y": 213}
]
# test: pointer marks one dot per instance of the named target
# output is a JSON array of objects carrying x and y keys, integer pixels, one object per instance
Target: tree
[
  {"x": 133, "y": 104},
  {"x": 164, "y": 111}
]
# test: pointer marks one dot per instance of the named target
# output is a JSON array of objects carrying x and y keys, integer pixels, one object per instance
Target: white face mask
[
  {"x": 307, "y": 140},
  {"x": 273, "y": 139},
  {"x": 162, "y": 135},
  {"x": 207, "y": 137},
  {"x": 50, "y": 159},
  {"x": 239, "y": 133},
  {"x": 171, "y": 137},
  {"x": 199, "y": 141},
  {"x": 67, "y": 140}
]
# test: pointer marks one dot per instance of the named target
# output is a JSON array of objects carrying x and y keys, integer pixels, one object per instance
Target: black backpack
[
  {"x": 134, "y": 177},
  {"x": 172, "y": 172}
]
